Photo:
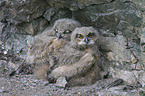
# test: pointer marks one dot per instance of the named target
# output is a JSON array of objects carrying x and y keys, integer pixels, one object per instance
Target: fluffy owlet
[
  {"x": 51, "y": 39},
  {"x": 78, "y": 59},
  {"x": 48, "y": 42}
]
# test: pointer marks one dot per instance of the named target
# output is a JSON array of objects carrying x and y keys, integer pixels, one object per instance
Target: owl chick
[
  {"x": 48, "y": 42},
  {"x": 78, "y": 59},
  {"x": 51, "y": 40}
]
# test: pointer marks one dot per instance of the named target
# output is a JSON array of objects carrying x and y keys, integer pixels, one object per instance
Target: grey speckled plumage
[
  {"x": 76, "y": 61},
  {"x": 48, "y": 42}
]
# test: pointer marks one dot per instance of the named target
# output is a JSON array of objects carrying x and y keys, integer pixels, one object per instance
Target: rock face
[
  {"x": 74, "y": 4},
  {"x": 18, "y": 11},
  {"x": 34, "y": 27},
  {"x": 143, "y": 43},
  {"x": 120, "y": 23},
  {"x": 53, "y": 14},
  {"x": 109, "y": 15}
]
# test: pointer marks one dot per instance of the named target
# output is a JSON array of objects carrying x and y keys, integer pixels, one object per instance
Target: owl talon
[{"x": 51, "y": 80}]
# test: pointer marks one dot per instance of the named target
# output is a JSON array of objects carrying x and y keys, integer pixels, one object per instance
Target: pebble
[
  {"x": 61, "y": 82},
  {"x": 4, "y": 91},
  {"x": 27, "y": 84}
]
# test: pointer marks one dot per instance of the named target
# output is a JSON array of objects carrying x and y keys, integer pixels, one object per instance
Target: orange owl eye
[
  {"x": 81, "y": 37},
  {"x": 91, "y": 35}
]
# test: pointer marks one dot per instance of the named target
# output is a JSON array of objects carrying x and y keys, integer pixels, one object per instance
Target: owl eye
[
  {"x": 91, "y": 35},
  {"x": 67, "y": 32},
  {"x": 79, "y": 36}
]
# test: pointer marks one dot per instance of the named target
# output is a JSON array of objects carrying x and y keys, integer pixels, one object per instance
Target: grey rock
[
  {"x": 3, "y": 66},
  {"x": 117, "y": 91},
  {"x": 6, "y": 30},
  {"x": 107, "y": 16},
  {"x": 61, "y": 82},
  {"x": 18, "y": 11},
  {"x": 123, "y": 57},
  {"x": 13, "y": 40},
  {"x": 49, "y": 14},
  {"x": 102, "y": 84},
  {"x": 143, "y": 57},
  {"x": 129, "y": 76},
  {"x": 53, "y": 14},
  {"x": 83, "y": 3},
  {"x": 143, "y": 45},
  {"x": 34, "y": 27},
  {"x": 140, "y": 2},
  {"x": 19, "y": 44},
  {"x": 118, "y": 49},
  {"x": 16, "y": 86},
  {"x": 75, "y": 4},
  {"x": 59, "y": 3},
  {"x": 4, "y": 91}
]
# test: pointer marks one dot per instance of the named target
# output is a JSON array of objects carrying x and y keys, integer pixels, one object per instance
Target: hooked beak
[
  {"x": 86, "y": 39},
  {"x": 59, "y": 35}
]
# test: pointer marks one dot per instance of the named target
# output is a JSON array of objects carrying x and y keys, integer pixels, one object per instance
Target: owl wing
[
  {"x": 39, "y": 48},
  {"x": 79, "y": 67}
]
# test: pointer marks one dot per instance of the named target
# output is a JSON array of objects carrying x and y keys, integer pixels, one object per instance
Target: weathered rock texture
[
  {"x": 75, "y": 4},
  {"x": 53, "y": 14},
  {"x": 120, "y": 23},
  {"x": 18, "y": 11},
  {"x": 34, "y": 27}
]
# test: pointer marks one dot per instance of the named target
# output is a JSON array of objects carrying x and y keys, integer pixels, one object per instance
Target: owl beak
[
  {"x": 86, "y": 39},
  {"x": 59, "y": 35}
]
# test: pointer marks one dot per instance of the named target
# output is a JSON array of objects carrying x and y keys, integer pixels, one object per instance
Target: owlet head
[
  {"x": 64, "y": 27},
  {"x": 84, "y": 37}
]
